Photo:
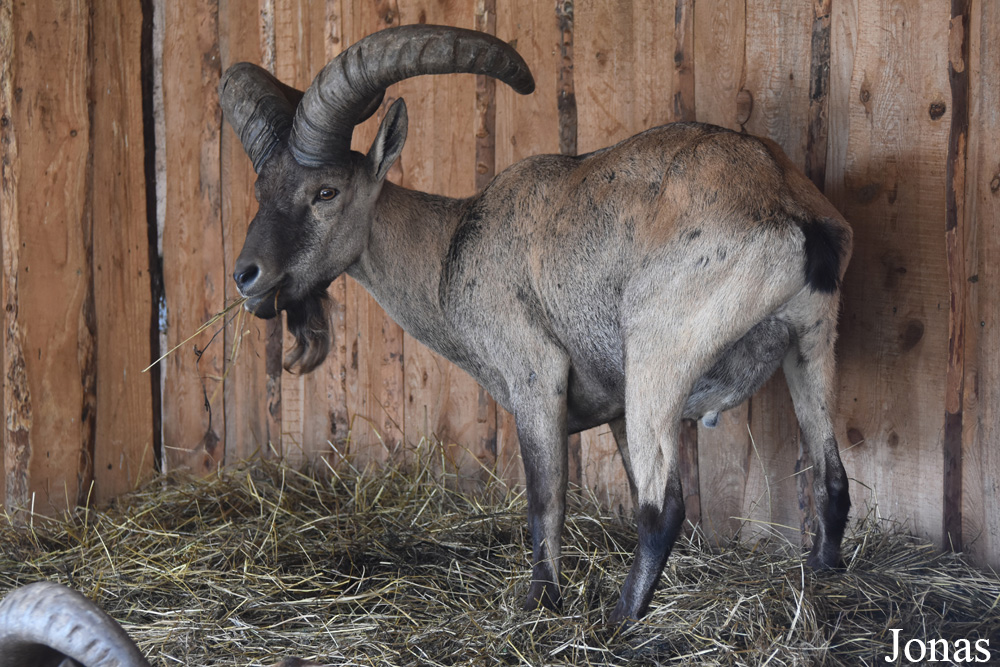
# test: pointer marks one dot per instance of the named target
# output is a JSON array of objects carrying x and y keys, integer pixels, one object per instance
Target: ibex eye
[{"x": 327, "y": 194}]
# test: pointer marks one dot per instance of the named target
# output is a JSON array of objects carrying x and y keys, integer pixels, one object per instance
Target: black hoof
[
  {"x": 821, "y": 560},
  {"x": 543, "y": 594},
  {"x": 620, "y": 620}
]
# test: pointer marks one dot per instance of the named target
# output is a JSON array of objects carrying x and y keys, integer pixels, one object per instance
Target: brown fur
[{"x": 665, "y": 277}]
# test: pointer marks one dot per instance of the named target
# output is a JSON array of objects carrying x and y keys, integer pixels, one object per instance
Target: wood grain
[
  {"x": 981, "y": 405},
  {"x": 778, "y": 81},
  {"x": 250, "y": 424},
  {"x": 956, "y": 232},
  {"x": 46, "y": 225},
  {"x": 324, "y": 391},
  {"x": 486, "y": 169},
  {"x": 441, "y": 402},
  {"x": 683, "y": 78},
  {"x": 123, "y": 454},
  {"x": 309, "y": 403},
  {"x": 193, "y": 266},
  {"x": 622, "y": 51},
  {"x": 374, "y": 343},
  {"x": 725, "y": 453},
  {"x": 894, "y": 328}
]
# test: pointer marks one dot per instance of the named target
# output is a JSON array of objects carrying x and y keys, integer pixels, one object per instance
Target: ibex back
[{"x": 662, "y": 278}]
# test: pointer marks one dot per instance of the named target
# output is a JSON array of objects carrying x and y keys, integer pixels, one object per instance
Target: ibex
[{"x": 665, "y": 277}]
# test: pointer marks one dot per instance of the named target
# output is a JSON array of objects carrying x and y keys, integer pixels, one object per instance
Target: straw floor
[{"x": 394, "y": 568}]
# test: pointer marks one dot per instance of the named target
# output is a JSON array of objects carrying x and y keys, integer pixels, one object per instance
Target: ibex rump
[{"x": 665, "y": 277}]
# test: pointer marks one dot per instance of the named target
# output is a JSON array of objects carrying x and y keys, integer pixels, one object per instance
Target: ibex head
[{"x": 316, "y": 195}]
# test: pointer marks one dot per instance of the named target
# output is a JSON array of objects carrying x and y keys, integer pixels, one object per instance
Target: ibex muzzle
[{"x": 665, "y": 277}]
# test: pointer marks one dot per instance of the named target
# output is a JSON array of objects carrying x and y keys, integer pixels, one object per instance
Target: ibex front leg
[{"x": 540, "y": 411}]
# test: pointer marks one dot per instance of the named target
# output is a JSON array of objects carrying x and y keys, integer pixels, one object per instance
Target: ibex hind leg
[
  {"x": 659, "y": 377},
  {"x": 669, "y": 344},
  {"x": 810, "y": 372}
]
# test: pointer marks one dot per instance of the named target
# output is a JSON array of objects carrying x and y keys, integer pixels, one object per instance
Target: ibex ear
[{"x": 389, "y": 141}]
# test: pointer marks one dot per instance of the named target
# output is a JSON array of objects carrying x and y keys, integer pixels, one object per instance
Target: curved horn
[
  {"x": 44, "y": 623},
  {"x": 259, "y": 107},
  {"x": 353, "y": 83}
]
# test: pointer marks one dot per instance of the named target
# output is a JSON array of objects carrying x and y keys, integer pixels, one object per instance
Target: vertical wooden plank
[
  {"x": 45, "y": 225},
  {"x": 374, "y": 343},
  {"x": 193, "y": 264},
  {"x": 441, "y": 402},
  {"x": 123, "y": 453},
  {"x": 328, "y": 422},
  {"x": 526, "y": 125},
  {"x": 683, "y": 84},
  {"x": 719, "y": 43},
  {"x": 955, "y": 241},
  {"x": 300, "y": 52},
  {"x": 486, "y": 169},
  {"x": 622, "y": 50},
  {"x": 981, "y": 466},
  {"x": 14, "y": 442},
  {"x": 274, "y": 328},
  {"x": 566, "y": 104},
  {"x": 725, "y": 453},
  {"x": 252, "y": 420},
  {"x": 890, "y": 183},
  {"x": 819, "y": 87},
  {"x": 683, "y": 77},
  {"x": 324, "y": 393},
  {"x": 778, "y": 80}
]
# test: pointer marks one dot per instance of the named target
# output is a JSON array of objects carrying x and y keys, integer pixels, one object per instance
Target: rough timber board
[
  {"x": 889, "y": 181},
  {"x": 250, "y": 427},
  {"x": 48, "y": 352},
  {"x": 324, "y": 392},
  {"x": 374, "y": 343},
  {"x": 981, "y": 468},
  {"x": 302, "y": 46},
  {"x": 123, "y": 451},
  {"x": 194, "y": 279},
  {"x": 778, "y": 39},
  {"x": 725, "y": 453},
  {"x": 441, "y": 402}
]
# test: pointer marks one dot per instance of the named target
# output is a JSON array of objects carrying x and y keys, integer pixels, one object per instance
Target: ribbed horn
[
  {"x": 353, "y": 82},
  {"x": 44, "y": 623},
  {"x": 259, "y": 107}
]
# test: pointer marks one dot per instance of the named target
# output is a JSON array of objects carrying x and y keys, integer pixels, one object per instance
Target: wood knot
[
  {"x": 744, "y": 106},
  {"x": 995, "y": 184},
  {"x": 855, "y": 436},
  {"x": 866, "y": 96},
  {"x": 911, "y": 335},
  {"x": 937, "y": 110}
]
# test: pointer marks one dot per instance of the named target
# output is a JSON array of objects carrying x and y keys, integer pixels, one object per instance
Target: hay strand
[{"x": 395, "y": 567}]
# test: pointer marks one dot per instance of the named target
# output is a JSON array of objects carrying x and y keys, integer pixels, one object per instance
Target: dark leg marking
[
  {"x": 833, "y": 512},
  {"x": 658, "y": 529}
]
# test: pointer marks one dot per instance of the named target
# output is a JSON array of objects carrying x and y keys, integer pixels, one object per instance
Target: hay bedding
[{"x": 395, "y": 568}]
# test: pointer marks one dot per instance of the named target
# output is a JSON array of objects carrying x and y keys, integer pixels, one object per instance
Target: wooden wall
[{"x": 125, "y": 201}]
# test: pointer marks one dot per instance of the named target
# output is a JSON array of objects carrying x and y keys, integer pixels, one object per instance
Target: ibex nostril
[{"x": 245, "y": 277}]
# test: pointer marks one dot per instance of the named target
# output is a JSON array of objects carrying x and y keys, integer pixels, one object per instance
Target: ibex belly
[{"x": 596, "y": 393}]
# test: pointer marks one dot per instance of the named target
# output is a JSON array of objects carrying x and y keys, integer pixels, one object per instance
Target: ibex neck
[{"x": 401, "y": 266}]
